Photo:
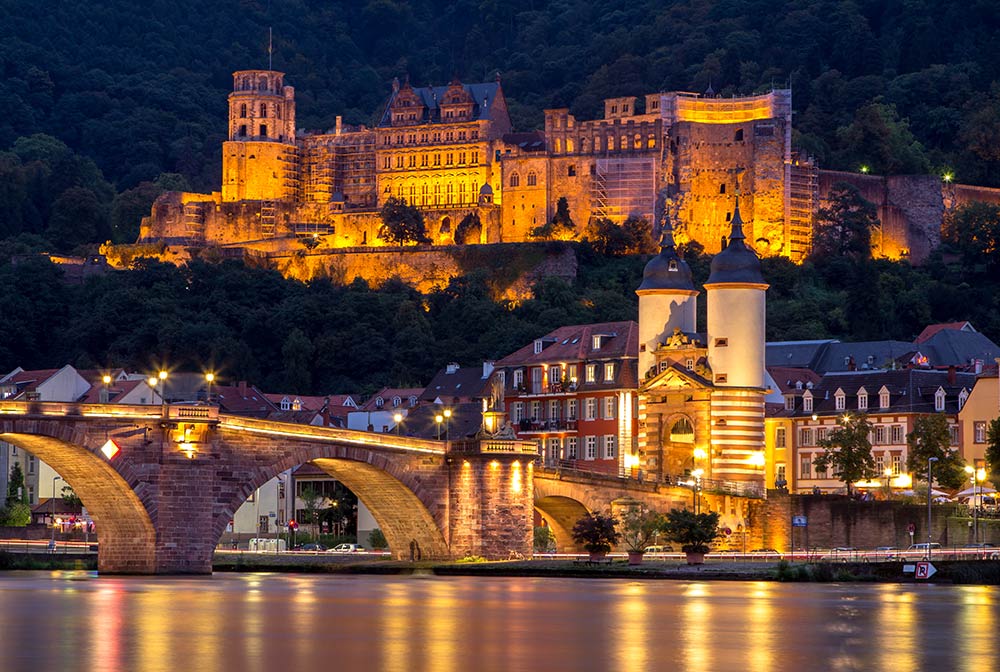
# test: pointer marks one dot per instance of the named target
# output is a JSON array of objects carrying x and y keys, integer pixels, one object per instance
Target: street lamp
[
  {"x": 888, "y": 482},
  {"x": 697, "y": 473},
  {"x": 52, "y": 510},
  {"x": 976, "y": 476},
  {"x": 105, "y": 393},
  {"x": 160, "y": 380},
  {"x": 439, "y": 419},
  {"x": 447, "y": 423},
  {"x": 209, "y": 378},
  {"x": 397, "y": 417},
  {"x": 930, "y": 488}
]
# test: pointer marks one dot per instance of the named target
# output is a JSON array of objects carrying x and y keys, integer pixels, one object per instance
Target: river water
[{"x": 287, "y": 623}]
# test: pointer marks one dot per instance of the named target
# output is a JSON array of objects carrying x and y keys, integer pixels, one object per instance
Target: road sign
[
  {"x": 925, "y": 570},
  {"x": 799, "y": 521},
  {"x": 911, "y": 528}
]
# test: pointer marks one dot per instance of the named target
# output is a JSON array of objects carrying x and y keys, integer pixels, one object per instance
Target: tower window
[
  {"x": 571, "y": 171},
  {"x": 243, "y": 131},
  {"x": 263, "y": 111},
  {"x": 738, "y": 137},
  {"x": 263, "y": 130},
  {"x": 243, "y": 110},
  {"x": 722, "y": 342},
  {"x": 722, "y": 188}
]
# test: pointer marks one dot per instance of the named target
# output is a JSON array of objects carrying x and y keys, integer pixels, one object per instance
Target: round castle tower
[
  {"x": 667, "y": 293},
  {"x": 736, "y": 308},
  {"x": 259, "y": 158}
]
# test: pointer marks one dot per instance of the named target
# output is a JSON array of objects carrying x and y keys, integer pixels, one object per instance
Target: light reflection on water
[{"x": 282, "y": 623}]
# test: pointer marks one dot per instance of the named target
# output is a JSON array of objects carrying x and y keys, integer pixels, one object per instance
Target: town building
[{"x": 574, "y": 391}]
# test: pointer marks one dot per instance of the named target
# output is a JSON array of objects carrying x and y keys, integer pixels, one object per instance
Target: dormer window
[
  {"x": 297, "y": 405},
  {"x": 963, "y": 396},
  {"x": 396, "y": 401},
  {"x": 609, "y": 372},
  {"x": 591, "y": 373},
  {"x": 939, "y": 397},
  {"x": 883, "y": 397},
  {"x": 840, "y": 400},
  {"x": 413, "y": 399},
  {"x": 286, "y": 404},
  {"x": 807, "y": 402},
  {"x": 595, "y": 342},
  {"x": 798, "y": 384},
  {"x": 538, "y": 346},
  {"x": 789, "y": 403},
  {"x": 379, "y": 402},
  {"x": 862, "y": 399}
]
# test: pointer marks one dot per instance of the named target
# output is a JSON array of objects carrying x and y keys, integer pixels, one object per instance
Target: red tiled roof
[
  {"x": 932, "y": 329},
  {"x": 387, "y": 393},
  {"x": 786, "y": 376},
  {"x": 309, "y": 403},
  {"x": 231, "y": 401},
  {"x": 36, "y": 376},
  {"x": 116, "y": 390},
  {"x": 574, "y": 344}
]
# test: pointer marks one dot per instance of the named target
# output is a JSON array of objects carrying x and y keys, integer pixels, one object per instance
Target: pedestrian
[{"x": 413, "y": 550}]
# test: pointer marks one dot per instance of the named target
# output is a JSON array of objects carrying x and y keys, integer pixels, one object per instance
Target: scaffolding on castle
[{"x": 624, "y": 187}]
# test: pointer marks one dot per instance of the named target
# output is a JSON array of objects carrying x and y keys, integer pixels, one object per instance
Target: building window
[
  {"x": 807, "y": 402},
  {"x": 897, "y": 464},
  {"x": 609, "y": 372},
  {"x": 590, "y": 446},
  {"x": 939, "y": 400},
  {"x": 538, "y": 346},
  {"x": 880, "y": 434},
  {"x": 963, "y": 396},
  {"x": 591, "y": 373},
  {"x": 532, "y": 179},
  {"x": 515, "y": 180},
  {"x": 571, "y": 409},
  {"x": 609, "y": 446},
  {"x": 896, "y": 434},
  {"x": 286, "y": 405},
  {"x": 883, "y": 398},
  {"x": 571, "y": 447},
  {"x": 31, "y": 466},
  {"x": 590, "y": 409},
  {"x": 789, "y": 403},
  {"x": 805, "y": 466},
  {"x": 780, "y": 474},
  {"x": 518, "y": 378},
  {"x": 722, "y": 342},
  {"x": 880, "y": 464},
  {"x": 779, "y": 437},
  {"x": 862, "y": 400},
  {"x": 840, "y": 400},
  {"x": 979, "y": 432},
  {"x": 553, "y": 448},
  {"x": 689, "y": 364},
  {"x": 379, "y": 402},
  {"x": 721, "y": 378},
  {"x": 609, "y": 408},
  {"x": 571, "y": 171},
  {"x": 953, "y": 434},
  {"x": 536, "y": 411},
  {"x": 821, "y": 434},
  {"x": 396, "y": 401},
  {"x": 806, "y": 436},
  {"x": 517, "y": 411},
  {"x": 595, "y": 342}
]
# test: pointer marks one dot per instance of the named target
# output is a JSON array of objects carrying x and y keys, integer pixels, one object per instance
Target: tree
[
  {"x": 312, "y": 502},
  {"x": 544, "y": 540},
  {"x": 17, "y": 512},
  {"x": 296, "y": 356},
  {"x": 77, "y": 218},
  {"x": 973, "y": 230},
  {"x": 560, "y": 227},
  {"x": 639, "y": 526},
  {"x": 596, "y": 532},
  {"x": 848, "y": 451},
  {"x": 878, "y": 138},
  {"x": 993, "y": 450},
  {"x": 634, "y": 236},
  {"x": 694, "y": 531},
  {"x": 70, "y": 498},
  {"x": 376, "y": 539},
  {"x": 931, "y": 438},
  {"x": 844, "y": 228},
  {"x": 402, "y": 223}
]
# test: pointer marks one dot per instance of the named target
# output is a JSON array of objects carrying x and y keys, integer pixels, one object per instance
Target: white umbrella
[
  {"x": 910, "y": 493},
  {"x": 978, "y": 490}
]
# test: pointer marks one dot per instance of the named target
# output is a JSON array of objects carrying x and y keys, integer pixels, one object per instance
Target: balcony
[
  {"x": 527, "y": 425},
  {"x": 539, "y": 388}
]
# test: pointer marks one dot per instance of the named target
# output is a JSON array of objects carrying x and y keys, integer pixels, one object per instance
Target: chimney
[
  {"x": 451, "y": 368},
  {"x": 487, "y": 369},
  {"x": 979, "y": 366},
  {"x": 325, "y": 412},
  {"x": 851, "y": 364},
  {"x": 243, "y": 388},
  {"x": 340, "y": 124},
  {"x": 951, "y": 374}
]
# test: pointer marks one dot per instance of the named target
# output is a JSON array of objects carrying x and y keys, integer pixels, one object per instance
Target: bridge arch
[
  {"x": 388, "y": 485},
  {"x": 125, "y": 533},
  {"x": 560, "y": 513}
]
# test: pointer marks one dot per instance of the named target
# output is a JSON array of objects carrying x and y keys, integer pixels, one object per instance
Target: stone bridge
[{"x": 162, "y": 483}]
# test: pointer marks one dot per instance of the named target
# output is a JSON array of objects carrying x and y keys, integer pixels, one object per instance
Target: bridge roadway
[{"x": 161, "y": 503}]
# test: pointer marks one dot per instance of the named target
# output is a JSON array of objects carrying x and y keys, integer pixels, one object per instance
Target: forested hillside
[{"x": 135, "y": 93}]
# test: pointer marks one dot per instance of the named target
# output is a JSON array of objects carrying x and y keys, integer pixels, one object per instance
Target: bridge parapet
[
  {"x": 193, "y": 412},
  {"x": 485, "y": 446}
]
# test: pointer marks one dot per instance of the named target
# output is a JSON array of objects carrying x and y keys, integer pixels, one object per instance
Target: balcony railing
[
  {"x": 554, "y": 425},
  {"x": 484, "y": 446}
]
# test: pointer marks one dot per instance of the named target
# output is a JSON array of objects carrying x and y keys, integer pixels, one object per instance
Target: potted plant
[
  {"x": 693, "y": 531},
  {"x": 639, "y": 527},
  {"x": 597, "y": 534}
]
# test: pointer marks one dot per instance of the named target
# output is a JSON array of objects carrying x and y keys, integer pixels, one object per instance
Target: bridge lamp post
[
  {"x": 697, "y": 473},
  {"x": 209, "y": 378},
  {"x": 447, "y": 424},
  {"x": 105, "y": 393},
  {"x": 52, "y": 511},
  {"x": 930, "y": 496},
  {"x": 439, "y": 419},
  {"x": 397, "y": 417}
]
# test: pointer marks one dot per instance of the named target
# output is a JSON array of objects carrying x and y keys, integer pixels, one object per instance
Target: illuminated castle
[{"x": 450, "y": 151}]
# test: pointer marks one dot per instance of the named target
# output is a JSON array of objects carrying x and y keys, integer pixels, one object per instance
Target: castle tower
[
  {"x": 258, "y": 160},
  {"x": 736, "y": 308},
  {"x": 667, "y": 300}
]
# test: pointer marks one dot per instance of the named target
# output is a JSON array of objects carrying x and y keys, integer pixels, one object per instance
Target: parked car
[
  {"x": 309, "y": 547},
  {"x": 347, "y": 548},
  {"x": 922, "y": 548},
  {"x": 659, "y": 549}
]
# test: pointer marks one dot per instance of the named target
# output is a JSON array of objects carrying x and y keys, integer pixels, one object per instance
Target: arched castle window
[
  {"x": 569, "y": 145},
  {"x": 515, "y": 180},
  {"x": 571, "y": 171},
  {"x": 651, "y": 141},
  {"x": 263, "y": 110},
  {"x": 263, "y": 130},
  {"x": 682, "y": 431},
  {"x": 277, "y": 111},
  {"x": 738, "y": 137},
  {"x": 243, "y": 131},
  {"x": 623, "y": 143},
  {"x": 532, "y": 179},
  {"x": 637, "y": 141},
  {"x": 243, "y": 111}
]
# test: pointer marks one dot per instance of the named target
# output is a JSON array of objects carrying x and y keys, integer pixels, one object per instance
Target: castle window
[
  {"x": 263, "y": 111},
  {"x": 515, "y": 180},
  {"x": 387, "y": 162},
  {"x": 437, "y": 159},
  {"x": 637, "y": 141},
  {"x": 597, "y": 143},
  {"x": 722, "y": 188},
  {"x": 475, "y": 134},
  {"x": 413, "y": 161},
  {"x": 721, "y": 378},
  {"x": 243, "y": 131},
  {"x": 651, "y": 141},
  {"x": 423, "y": 160},
  {"x": 625, "y": 108},
  {"x": 532, "y": 179},
  {"x": 614, "y": 109},
  {"x": 277, "y": 111},
  {"x": 738, "y": 137},
  {"x": 475, "y": 158},
  {"x": 569, "y": 145},
  {"x": 623, "y": 143},
  {"x": 722, "y": 342},
  {"x": 263, "y": 130},
  {"x": 243, "y": 110},
  {"x": 654, "y": 104},
  {"x": 571, "y": 171}
]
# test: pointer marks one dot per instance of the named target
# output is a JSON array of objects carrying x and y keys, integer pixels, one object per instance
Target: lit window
[
  {"x": 591, "y": 376},
  {"x": 591, "y": 448},
  {"x": 609, "y": 372},
  {"x": 609, "y": 408},
  {"x": 979, "y": 432},
  {"x": 779, "y": 437}
]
